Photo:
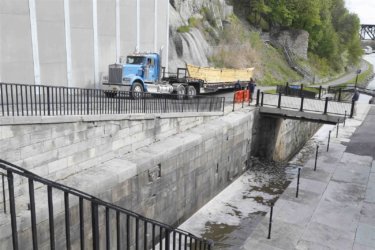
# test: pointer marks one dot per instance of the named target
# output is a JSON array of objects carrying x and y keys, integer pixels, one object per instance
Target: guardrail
[
  {"x": 301, "y": 104},
  {"x": 42, "y": 100},
  {"x": 130, "y": 230}
]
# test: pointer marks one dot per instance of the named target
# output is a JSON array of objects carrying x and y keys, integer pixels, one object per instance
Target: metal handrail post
[
  {"x": 326, "y": 106},
  {"x": 234, "y": 99},
  {"x": 299, "y": 174},
  {"x": 329, "y": 139},
  {"x": 270, "y": 223},
  {"x": 320, "y": 92},
  {"x": 316, "y": 157},
  {"x": 258, "y": 95},
  {"x": 352, "y": 109}
]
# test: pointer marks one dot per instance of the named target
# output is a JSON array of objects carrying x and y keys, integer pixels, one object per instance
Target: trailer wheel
[
  {"x": 191, "y": 91},
  {"x": 180, "y": 92},
  {"x": 137, "y": 90}
]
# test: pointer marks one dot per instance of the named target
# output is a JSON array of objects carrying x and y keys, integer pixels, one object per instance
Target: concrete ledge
[{"x": 21, "y": 120}]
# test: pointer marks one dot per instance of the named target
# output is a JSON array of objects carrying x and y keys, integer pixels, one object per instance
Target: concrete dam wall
[
  {"x": 72, "y": 42},
  {"x": 162, "y": 167}
]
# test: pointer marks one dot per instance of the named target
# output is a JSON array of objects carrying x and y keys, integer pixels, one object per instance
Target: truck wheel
[
  {"x": 180, "y": 92},
  {"x": 191, "y": 91},
  {"x": 137, "y": 90}
]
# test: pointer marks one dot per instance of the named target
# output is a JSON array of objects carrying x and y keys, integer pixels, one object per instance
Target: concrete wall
[
  {"x": 36, "y": 47},
  {"x": 16, "y": 57},
  {"x": 279, "y": 139}
]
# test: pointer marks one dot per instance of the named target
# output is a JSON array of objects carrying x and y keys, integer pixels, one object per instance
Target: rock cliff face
[
  {"x": 193, "y": 47},
  {"x": 296, "y": 40},
  {"x": 203, "y": 29}
]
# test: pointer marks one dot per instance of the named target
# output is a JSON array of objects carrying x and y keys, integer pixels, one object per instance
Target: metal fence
[
  {"x": 115, "y": 226},
  {"x": 40, "y": 100},
  {"x": 310, "y": 105},
  {"x": 290, "y": 90}
]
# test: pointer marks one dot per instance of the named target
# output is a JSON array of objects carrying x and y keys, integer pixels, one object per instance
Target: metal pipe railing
[
  {"x": 42, "y": 100},
  {"x": 304, "y": 104}
]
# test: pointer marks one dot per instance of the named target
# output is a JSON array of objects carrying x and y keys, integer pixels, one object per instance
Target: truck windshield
[{"x": 135, "y": 60}]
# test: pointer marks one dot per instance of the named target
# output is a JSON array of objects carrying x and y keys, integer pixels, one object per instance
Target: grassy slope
[
  {"x": 238, "y": 47},
  {"x": 275, "y": 69}
]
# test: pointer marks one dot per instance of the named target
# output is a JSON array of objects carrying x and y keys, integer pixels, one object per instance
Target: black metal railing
[
  {"x": 41, "y": 100},
  {"x": 295, "y": 90},
  {"x": 106, "y": 222},
  {"x": 325, "y": 106}
]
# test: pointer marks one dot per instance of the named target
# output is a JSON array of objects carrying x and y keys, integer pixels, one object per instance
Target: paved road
[
  {"x": 346, "y": 78},
  {"x": 363, "y": 141}
]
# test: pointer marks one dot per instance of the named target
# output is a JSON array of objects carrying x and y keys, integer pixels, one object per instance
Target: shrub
[
  {"x": 183, "y": 29},
  {"x": 193, "y": 22},
  {"x": 209, "y": 16}
]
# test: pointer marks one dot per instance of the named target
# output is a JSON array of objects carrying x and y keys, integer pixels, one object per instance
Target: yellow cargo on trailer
[{"x": 219, "y": 75}]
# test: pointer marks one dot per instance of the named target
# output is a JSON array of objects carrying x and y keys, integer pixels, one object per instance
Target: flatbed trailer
[{"x": 210, "y": 80}]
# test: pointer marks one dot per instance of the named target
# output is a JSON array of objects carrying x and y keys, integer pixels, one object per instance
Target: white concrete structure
[{"x": 72, "y": 42}]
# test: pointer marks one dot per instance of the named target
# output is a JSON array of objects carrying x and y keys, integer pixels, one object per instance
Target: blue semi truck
[{"x": 142, "y": 72}]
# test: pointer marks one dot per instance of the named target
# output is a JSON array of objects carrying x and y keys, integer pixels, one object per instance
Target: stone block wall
[
  {"x": 292, "y": 136},
  {"x": 58, "y": 149},
  {"x": 142, "y": 165},
  {"x": 280, "y": 139}
]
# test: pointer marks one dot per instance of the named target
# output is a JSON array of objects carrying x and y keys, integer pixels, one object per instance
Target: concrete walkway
[{"x": 336, "y": 204}]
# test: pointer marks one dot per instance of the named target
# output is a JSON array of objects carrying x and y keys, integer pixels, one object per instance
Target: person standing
[
  {"x": 251, "y": 88},
  {"x": 237, "y": 86}
]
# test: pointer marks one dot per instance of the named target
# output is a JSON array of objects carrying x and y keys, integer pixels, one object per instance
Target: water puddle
[{"x": 230, "y": 217}]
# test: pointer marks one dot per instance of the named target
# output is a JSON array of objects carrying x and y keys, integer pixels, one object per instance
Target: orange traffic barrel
[{"x": 238, "y": 96}]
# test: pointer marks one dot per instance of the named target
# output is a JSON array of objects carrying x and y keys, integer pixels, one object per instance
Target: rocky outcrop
[
  {"x": 188, "y": 8},
  {"x": 296, "y": 40},
  {"x": 192, "y": 47}
]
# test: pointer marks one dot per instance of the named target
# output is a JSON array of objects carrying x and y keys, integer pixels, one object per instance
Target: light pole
[{"x": 356, "y": 79}]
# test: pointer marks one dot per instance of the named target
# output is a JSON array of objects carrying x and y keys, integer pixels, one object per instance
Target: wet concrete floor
[{"x": 230, "y": 217}]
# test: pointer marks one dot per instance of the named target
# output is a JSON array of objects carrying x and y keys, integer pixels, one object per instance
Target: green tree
[
  {"x": 258, "y": 10},
  {"x": 306, "y": 14},
  {"x": 281, "y": 14},
  {"x": 332, "y": 28}
]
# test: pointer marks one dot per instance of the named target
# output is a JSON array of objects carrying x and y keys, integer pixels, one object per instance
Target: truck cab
[
  {"x": 136, "y": 73},
  {"x": 145, "y": 66}
]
